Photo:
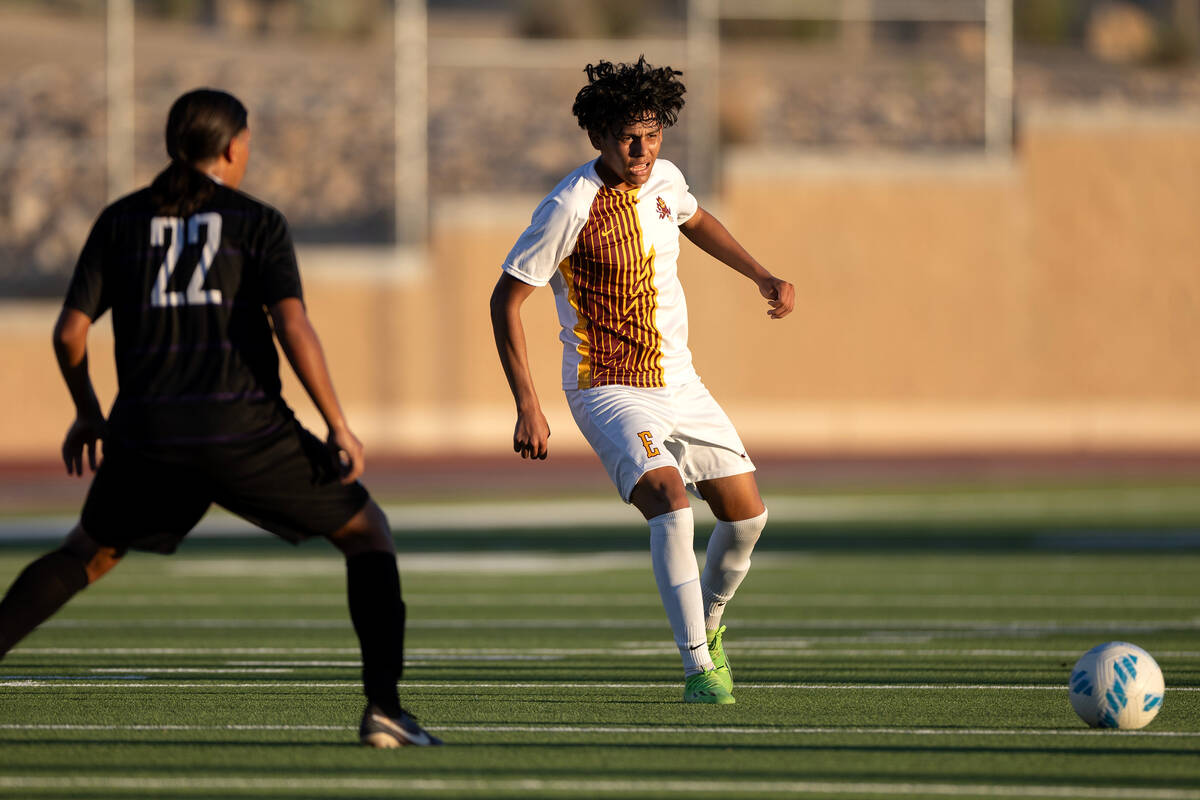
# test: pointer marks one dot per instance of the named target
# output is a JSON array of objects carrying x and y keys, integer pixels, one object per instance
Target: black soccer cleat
[{"x": 392, "y": 730}]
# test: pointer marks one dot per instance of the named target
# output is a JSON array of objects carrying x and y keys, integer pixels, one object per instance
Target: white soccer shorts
[{"x": 637, "y": 430}]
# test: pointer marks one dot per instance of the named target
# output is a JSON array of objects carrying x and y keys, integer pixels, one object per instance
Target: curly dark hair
[{"x": 619, "y": 94}]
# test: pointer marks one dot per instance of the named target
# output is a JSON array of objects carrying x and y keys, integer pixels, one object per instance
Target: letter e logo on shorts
[{"x": 651, "y": 450}]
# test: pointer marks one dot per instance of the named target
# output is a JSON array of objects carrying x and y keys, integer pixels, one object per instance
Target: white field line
[
  {"x": 558, "y": 654},
  {"x": 184, "y": 651},
  {"x": 134, "y": 682},
  {"x": 425, "y": 656},
  {"x": 348, "y": 664},
  {"x": 798, "y": 601},
  {"x": 498, "y": 563},
  {"x": 804, "y": 647},
  {"x": 249, "y": 667},
  {"x": 1013, "y": 506},
  {"x": 1002, "y": 506},
  {"x": 274, "y": 669},
  {"x": 800, "y": 647},
  {"x": 670, "y": 730},
  {"x": 208, "y": 784},
  {"x": 924, "y": 626},
  {"x": 525, "y": 562}
]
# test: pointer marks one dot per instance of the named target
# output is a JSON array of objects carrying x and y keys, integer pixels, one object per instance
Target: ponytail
[{"x": 180, "y": 189}]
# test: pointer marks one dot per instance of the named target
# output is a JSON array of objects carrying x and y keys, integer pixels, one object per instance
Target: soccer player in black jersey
[{"x": 197, "y": 274}]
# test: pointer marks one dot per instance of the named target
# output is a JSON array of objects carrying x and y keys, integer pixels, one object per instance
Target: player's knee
[
  {"x": 79, "y": 544},
  {"x": 659, "y": 491},
  {"x": 97, "y": 558},
  {"x": 102, "y": 562},
  {"x": 737, "y": 540},
  {"x": 755, "y": 525},
  {"x": 365, "y": 532},
  {"x": 666, "y": 495},
  {"x": 746, "y": 532}
]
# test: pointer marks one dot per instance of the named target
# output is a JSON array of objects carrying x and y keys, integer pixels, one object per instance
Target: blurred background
[{"x": 989, "y": 208}]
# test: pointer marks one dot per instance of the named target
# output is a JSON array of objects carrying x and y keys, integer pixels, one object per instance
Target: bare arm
[
  {"x": 706, "y": 232},
  {"x": 532, "y": 433},
  {"x": 70, "y": 347},
  {"x": 303, "y": 350}
]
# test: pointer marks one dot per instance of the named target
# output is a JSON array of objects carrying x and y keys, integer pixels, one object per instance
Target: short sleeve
[
  {"x": 685, "y": 204},
  {"x": 548, "y": 240},
  {"x": 280, "y": 274},
  {"x": 86, "y": 291}
]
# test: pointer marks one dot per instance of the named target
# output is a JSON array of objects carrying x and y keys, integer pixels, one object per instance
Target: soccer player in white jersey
[{"x": 607, "y": 240}]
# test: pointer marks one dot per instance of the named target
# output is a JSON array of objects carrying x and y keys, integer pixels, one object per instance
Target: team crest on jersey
[{"x": 661, "y": 205}]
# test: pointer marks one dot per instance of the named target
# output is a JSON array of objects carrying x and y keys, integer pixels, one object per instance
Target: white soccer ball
[{"x": 1116, "y": 685}]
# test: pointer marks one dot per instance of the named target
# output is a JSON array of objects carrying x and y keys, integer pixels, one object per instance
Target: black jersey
[{"x": 195, "y": 354}]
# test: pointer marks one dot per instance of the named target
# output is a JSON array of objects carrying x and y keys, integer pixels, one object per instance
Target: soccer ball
[{"x": 1116, "y": 685}]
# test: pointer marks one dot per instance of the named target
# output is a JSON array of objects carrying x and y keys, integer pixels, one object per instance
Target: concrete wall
[{"x": 945, "y": 304}]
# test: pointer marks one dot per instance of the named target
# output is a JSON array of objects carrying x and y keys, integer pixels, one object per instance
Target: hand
[
  {"x": 347, "y": 454},
  {"x": 781, "y": 296},
  {"x": 83, "y": 433},
  {"x": 531, "y": 437}
]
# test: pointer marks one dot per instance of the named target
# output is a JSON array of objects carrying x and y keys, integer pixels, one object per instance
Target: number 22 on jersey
[{"x": 196, "y": 294}]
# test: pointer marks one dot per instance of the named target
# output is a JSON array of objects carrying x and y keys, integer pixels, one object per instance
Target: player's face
[{"x": 627, "y": 154}]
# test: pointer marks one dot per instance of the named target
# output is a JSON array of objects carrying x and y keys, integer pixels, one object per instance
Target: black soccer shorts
[{"x": 286, "y": 483}]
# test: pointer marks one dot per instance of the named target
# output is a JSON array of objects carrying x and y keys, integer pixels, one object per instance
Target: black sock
[
  {"x": 373, "y": 587},
  {"x": 40, "y": 590}
]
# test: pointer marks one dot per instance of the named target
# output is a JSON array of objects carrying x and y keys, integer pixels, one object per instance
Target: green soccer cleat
[
  {"x": 706, "y": 687},
  {"x": 720, "y": 663}
]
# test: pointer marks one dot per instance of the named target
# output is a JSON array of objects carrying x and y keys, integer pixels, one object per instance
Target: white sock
[
  {"x": 678, "y": 579},
  {"x": 726, "y": 563}
]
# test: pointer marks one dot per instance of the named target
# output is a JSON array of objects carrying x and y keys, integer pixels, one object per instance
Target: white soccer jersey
[{"x": 611, "y": 258}]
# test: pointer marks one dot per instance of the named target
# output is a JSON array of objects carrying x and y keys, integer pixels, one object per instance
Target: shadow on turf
[
  {"x": 634, "y": 738},
  {"x": 780, "y": 537},
  {"x": 791, "y": 537}
]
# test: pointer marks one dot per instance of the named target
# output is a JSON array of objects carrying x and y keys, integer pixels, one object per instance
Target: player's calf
[
  {"x": 41, "y": 589},
  {"x": 727, "y": 560}
]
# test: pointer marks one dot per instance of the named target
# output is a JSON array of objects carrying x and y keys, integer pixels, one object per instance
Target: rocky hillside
[{"x": 322, "y": 116}]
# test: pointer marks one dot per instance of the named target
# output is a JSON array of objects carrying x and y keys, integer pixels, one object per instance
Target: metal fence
[{"x": 356, "y": 136}]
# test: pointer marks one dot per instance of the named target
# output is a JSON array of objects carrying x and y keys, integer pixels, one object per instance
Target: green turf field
[{"x": 871, "y": 662}]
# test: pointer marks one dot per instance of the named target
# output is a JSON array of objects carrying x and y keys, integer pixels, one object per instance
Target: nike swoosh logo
[
  {"x": 697, "y": 647},
  {"x": 608, "y": 232},
  {"x": 401, "y": 733}
]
